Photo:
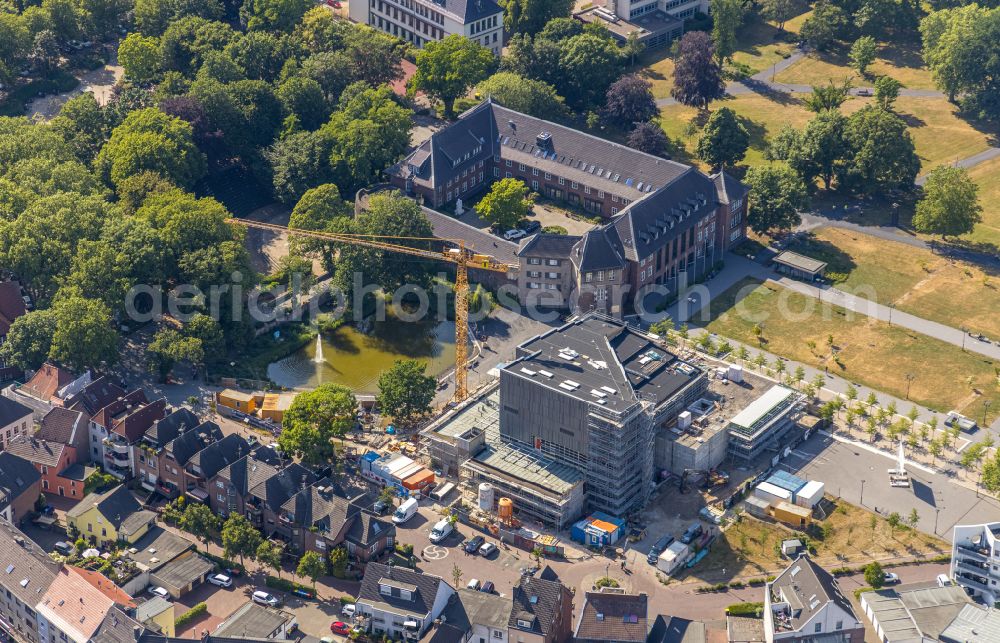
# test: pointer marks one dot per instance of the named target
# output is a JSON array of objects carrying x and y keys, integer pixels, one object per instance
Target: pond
[{"x": 355, "y": 359}]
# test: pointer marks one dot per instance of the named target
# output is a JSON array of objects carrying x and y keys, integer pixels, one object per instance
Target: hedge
[
  {"x": 861, "y": 590},
  {"x": 190, "y": 615},
  {"x": 285, "y": 585},
  {"x": 224, "y": 563},
  {"x": 347, "y": 600},
  {"x": 745, "y": 609}
]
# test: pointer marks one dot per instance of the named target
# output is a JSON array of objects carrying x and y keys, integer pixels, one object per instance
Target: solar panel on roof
[{"x": 629, "y": 181}]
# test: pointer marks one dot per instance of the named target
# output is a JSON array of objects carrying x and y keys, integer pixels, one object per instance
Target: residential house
[
  {"x": 150, "y": 449},
  {"x": 804, "y": 603},
  {"x": 472, "y": 616},
  {"x": 157, "y": 614},
  {"x": 256, "y": 620},
  {"x": 31, "y": 571},
  {"x": 11, "y": 307},
  {"x": 15, "y": 420},
  {"x": 110, "y": 516},
  {"x": 89, "y": 401},
  {"x": 105, "y": 585},
  {"x": 172, "y": 459},
  {"x": 231, "y": 488},
  {"x": 66, "y": 426},
  {"x": 263, "y": 500},
  {"x": 49, "y": 386},
  {"x": 975, "y": 560},
  {"x": 111, "y": 438},
  {"x": 320, "y": 519},
  {"x": 612, "y": 616},
  {"x": 209, "y": 461},
  {"x": 666, "y": 224},
  {"x": 20, "y": 486},
  {"x": 55, "y": 463},
  {"x": 71, "y": 608},
  {"x": 400, "y": 602},
  {"x": 157, "y": 550},
  {"x": 542, "y": 610},
  {"x": 548, "y": 268},
  {"x": 421, "y": 21}
]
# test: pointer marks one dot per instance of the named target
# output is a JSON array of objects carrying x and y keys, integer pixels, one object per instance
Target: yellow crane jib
[{"x": 460, "y": 256}]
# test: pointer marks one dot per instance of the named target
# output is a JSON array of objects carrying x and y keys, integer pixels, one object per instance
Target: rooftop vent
[
  {"x": 528, "y": 371},
  {"x": 513, "y": 125},
  {"x": 545, "y": 374},
  {"x": 544, "y": 140}
]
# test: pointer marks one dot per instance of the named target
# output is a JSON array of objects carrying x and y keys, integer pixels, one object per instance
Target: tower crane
[{"x": 460, "y": 256}]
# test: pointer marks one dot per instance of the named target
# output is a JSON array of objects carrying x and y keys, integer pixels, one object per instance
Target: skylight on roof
[
  {"x": 10, "y": 568},
  {"x": 629, "y": 181},
  {"x": 24, "y": 582}
]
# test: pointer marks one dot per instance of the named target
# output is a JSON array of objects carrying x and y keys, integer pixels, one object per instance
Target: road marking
[
  {"x": 877, "y": 451},
  {"x": 434, "y": 552}
]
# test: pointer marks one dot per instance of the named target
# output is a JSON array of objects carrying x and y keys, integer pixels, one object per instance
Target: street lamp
[
  {"x": 891, "y": 306},
  {"x": 986, "y": 409},
  {"x": 861, "y": 500},
  {"x": 965, "y": 332},
  {"x": 937, "y": 512},
  {"x": 909, "y": 379}
]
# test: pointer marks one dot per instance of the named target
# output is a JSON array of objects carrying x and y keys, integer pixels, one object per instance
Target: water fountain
[{"x": 318, "y": 358}]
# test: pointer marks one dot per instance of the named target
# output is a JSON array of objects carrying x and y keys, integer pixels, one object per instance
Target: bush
[
  {"x": 737, "y": 584},
  {"x": 745, "y": 609},
  {"x": 347, "y": 600},
  {"x": 404, "y": 550},
  {"x": 285, "y": 585},
  {"x": 555, "y": 229},
  {"x": 861, "y": 590},
  {"x": 606, "y": 582},
  {"x": 190, "y": 615},
  {"x": 756, "y": 582},
  {"x": 224, "y": 563}
]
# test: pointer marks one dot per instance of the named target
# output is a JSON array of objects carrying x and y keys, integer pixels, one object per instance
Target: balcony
[
  {"x": 119, "y": 460},
  {"x": 965, "y": 581},
  {"x": 976, "y": 553},
  {"x": 120, "y": 448},
  {"x": 971, "y": 567}
]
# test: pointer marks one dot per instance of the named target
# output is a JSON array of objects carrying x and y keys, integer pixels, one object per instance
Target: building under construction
[{"x": 590, "y": 395}]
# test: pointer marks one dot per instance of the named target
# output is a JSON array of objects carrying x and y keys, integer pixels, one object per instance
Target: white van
[
  {"x": 943, "y": 580},
  {"x": 405, "y": 511},
  {"x": 441, "y": 530}
]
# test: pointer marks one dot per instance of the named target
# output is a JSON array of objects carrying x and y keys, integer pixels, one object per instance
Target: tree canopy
[
  {"x": 697, "y": 76},
  {"x": 526, "y": 95},
  {"x": 725, "y": 140},
  {"x": 405, "y": 390},
  {"x": 950, "y": 203},
  {"x": 629, "y": 101},
  {"x": 777, "y": 193},
  {"x": 446, "y": 69},
  {"x": 507, "y": 202},
  {"x": 314, "y": 419}
]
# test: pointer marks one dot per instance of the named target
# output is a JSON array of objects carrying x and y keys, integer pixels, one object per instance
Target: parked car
[
  {"x": 965, "y": 424},
  {"x": 349, "y": 610},
  {"x": 221, "y": 580},
  {"x": 265, "y": 598},
  {"x": 487, "y": 587},
  {"x": 487, "y": 550},
  {"x": 473, "y": 544},
  {"x": 691, "y": 533},
  {"x": 513, "y": 235},
  {"x": 340, "y": 627},
  {"x": 473, "y": 584},
  {"x": 380, "y": 507},
  {"x": 889, "y": 578},
  {"x": 304, "y": 593},
  {"x": 158, "y": 591},
  {"x": 943, "y": 580},
  {"x": 657, "y": 548},
  {"x": 63, "y": 548},
  {"x": 405, "y": 511},
  {"x": 530, "y": 226}
]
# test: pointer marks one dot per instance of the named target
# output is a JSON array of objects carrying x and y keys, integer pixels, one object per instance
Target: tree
[
  {"x": 863, "y": 53},
  {"x": 895, "y": 521},
  {"x": 525, "y": 95},
  {"x": 446, "y": 69},
  {"x": 274, "y": 15},
  {"x": 300, "y": 162},
  {"x": 312, "y": 565},
  {"x": 830, "y": 96},
  {"x": 170, "y": 347},
  {"x": 83, "y": 337},
  {"x": 820, "y": 150},
  {"x": 827, "y": 23},
  {"x": 650, "y": 138},
  {"x": 727, "y": 16},
  {"x": 776, "y": 195},
  {"x": 139, "y": 56},
  {"x": 82, "y": 122},
  {"x": 724, "y": 141},
  {"x": 588, "y": 64},
  {"x": 935, "y": 448},
  {"x": 150, "y": 140},
  {"x": 663, "y": 328},
  {"x": 630, "y": 100},
  {"x": 388, "y": 495},
  {"x": 530, "y": 16},
  {"x": 778, "y": 11},
  {"x": 507, "y": 202},
  {"x": 153, "y": 17},
  {"x": 883, "y": 155},
  {"x": 303, "y": 97},
  {"x": 950, "y": 203},
  {"x": 697, "y": 77},
  {"x": 199, "y": 521},
  {"x": 405, "y": 391},
  {"x": 316, "y": 417},
  {"x": 269, "y": 555},
  {"x": 886, "y": 91},
  {"x": 456, "y": 574},
  {"x": 913, "y": 518},
  {"x": 954, "y": 41},
  {"x": 874, "y": 574},
  {"x": 240, "y": 538},
  {"x": 29, "y": 340},
  {"x": 633, "y": 46}
]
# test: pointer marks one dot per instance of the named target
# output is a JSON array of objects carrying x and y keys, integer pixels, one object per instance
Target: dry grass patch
[
  {"x": 818, "y": 68},
  {"x": 987, "y": 177},
  {"x": 658, "y": 68},
  {"x": 761, "y": 46},
  {"x": 939, "y": 134},
  {"x": 914, "y": 279},
  {"x": 867, "y": 351}
]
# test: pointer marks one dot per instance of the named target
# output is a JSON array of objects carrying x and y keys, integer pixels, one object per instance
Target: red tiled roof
[
  {"x": 73, "y": 605},
  {"x": 60, "y": 425},
  {"x": 106, "y": 587},
  {"x": 48, "y": 379},
  {"x": 133, "y": 425}
]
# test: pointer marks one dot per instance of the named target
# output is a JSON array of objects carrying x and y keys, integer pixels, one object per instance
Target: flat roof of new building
[
  {"x": 253, "y": 619},
  {"x": 529, "y": 467},
  {"x": 726, "y": 400},
  {"x": 800, "y": 262},
  {"x": 762, "y": 406},
  {"x": 643, "y": 26},
  {"x": 602, "y": 361},
  {"x": 482, "y": 414}
]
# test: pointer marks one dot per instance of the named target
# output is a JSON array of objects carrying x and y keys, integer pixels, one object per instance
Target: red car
[{"x": 340, "y": 627}]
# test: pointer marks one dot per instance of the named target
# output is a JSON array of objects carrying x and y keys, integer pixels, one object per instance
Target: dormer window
[
  {"x": 523, "y": 623},
  {"x": 385, "y": 590}
]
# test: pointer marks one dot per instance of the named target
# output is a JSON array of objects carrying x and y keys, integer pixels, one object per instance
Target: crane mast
[{"x": 461, "y": 257}]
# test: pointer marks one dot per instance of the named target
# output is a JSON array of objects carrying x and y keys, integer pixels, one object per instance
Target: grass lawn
[
  {"x": 987, "y": 177},
  {"x": 939, "y": 134},
  {"x": 760, "y": 46},
  {"x": 763, "y": 117},
  {"x": 916, "y": 280},
  {"x": 751, "y": 547},
  {"x": 871, "y": 352},
  {"x": 658, "y": 68},
  {"x": 900, "y": 62}
]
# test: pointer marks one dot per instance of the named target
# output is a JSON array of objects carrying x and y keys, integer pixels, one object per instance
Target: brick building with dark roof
[
  {"x": 54, "y": 462},
  {"x": 542, "y": 610},
  {"x": 20, "y": 486},
  {"x": 612, "y": 617},
  {"x": 15, "y": 420},
  {"x": 666, "y": 224}
]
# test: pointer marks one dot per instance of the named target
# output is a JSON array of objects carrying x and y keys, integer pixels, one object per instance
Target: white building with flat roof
[
  {"x": 422, "y": 21},
  {"x": 975, "y": 560}
]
